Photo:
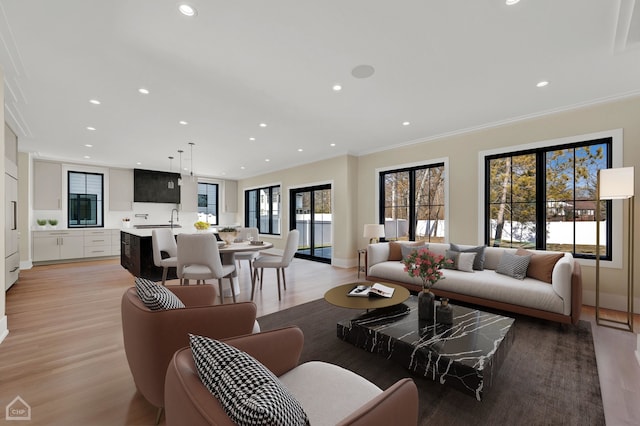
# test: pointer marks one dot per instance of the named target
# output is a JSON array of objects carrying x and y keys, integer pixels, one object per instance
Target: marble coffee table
[{"x": 466, "y": 355}]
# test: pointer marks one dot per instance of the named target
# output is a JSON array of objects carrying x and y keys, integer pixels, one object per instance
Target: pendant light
[
  {"x": 180, "y": 170},
  {"x": 193, "y": 178},
  {"x": 170, "y": 182}
]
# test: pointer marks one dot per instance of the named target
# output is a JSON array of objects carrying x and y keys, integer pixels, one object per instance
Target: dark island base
[{"x": 465, "y": 355}]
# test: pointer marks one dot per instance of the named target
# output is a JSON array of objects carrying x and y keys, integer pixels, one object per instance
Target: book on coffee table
[
  {"x": 359, "y": 291},
  {"x": 381, "y": 290}
]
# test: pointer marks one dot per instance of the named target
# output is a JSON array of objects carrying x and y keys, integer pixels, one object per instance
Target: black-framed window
[
  {"x": 208, "y": 202},
  {"x": 412, "y": 204},
  {"x": 545, "y": 198},
  {"x": 85, "y": 195},
  {"x": 263, "y": 209}
]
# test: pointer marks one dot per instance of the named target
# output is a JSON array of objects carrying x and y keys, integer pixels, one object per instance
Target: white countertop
[{"x": 146, "y": 232}]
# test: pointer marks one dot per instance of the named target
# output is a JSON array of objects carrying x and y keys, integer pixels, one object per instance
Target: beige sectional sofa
[{"x": 557, "y": 299}]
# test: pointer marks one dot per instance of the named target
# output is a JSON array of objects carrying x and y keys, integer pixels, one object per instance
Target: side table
[{"x": 361, "y": 266}]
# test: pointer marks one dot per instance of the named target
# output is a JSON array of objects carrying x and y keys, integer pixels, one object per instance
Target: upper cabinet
[
  {"x": 47, "y": 185},
  {"x": 121, "y": 189},
  {"x": 189, "y": 195},
  {"x": 10, "y": 152},
  {"x": 230, "y": 196}
]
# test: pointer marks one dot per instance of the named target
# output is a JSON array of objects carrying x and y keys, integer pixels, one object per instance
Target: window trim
[
  {"x": 281, "y": 203},
  {"x": 217, "y": 185},
  {"x": 102, "y": 206},
  {"x": 431, "y": 162},
  {"x": 616, "y": 157}
]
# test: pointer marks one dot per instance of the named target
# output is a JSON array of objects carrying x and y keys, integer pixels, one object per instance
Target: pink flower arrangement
[{"x": 426, "y": 265}]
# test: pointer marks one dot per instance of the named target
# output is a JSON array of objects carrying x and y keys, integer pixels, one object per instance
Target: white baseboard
[
  {"x": 4, "y": 331},
  {"x": 610, "y": 301},
  {"x": 26, "y": 264},
  {"x": 344, "y": 263}
]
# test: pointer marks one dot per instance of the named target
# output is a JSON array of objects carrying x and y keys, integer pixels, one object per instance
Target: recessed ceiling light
[
  {"x": 300, "y": 150},
  {"x": 143, "y": 91},
  {"x": 337, "y": 88},
  {"x": 187, "y": 10},
  {"x": 263, "y": 124},
  {"x": 91, "y": 128},
  {"x": 542, "y": 84},
  {"x": 88, "y": 145},
  {"x": 333, "y": 144},
  {"x": 511, "y": 2},
  {"x": 363, "y": 71},
  {"x": 94, "y": 101},
  {"x": 406, "y": 123},
  {"x": 241, "y": 167},
  {"x": 267, "y": 160},
  {"x": 87, "y": 157},
  {"x": 184, "y": 123},
  {"x": 252, "y": 139},
  {"x": 138, "y": 163}
]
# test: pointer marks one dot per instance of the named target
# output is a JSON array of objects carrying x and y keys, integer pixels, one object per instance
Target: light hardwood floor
[{"x": 64, "y": 354}]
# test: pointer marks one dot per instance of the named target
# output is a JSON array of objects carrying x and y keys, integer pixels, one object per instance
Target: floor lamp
[{"x": 616, "y": 184}]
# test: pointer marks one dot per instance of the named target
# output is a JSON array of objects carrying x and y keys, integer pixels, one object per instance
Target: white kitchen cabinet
[
  {"x": 230, "y": 196},
  {"x": 58, "y": 245},
  {"x": 97, "y": 242},
  {"x": 47, "y": 185},
  {"x": 121, "y": 189}
]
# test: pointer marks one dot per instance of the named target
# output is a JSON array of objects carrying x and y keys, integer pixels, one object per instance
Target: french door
[{"x": 310, "y": 214}]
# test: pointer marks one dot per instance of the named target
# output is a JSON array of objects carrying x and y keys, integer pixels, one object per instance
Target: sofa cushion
[
  {"x": 155, "y": 296},
  {"x": 460, "y": 261},
  {"x": 513, "y": 266},
  {"x": 248, "y": 392},
  {"x": 395, "y": 250},
  {"x": 478, "y": 262},
  {"x": 541, "y": 265},
  {"x": 343, "y": 391}
]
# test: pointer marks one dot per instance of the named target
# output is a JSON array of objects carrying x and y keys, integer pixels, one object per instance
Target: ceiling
[{"x": 444, "y": 66}]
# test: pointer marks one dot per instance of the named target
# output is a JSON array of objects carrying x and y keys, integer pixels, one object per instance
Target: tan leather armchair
[
  {"x": 152, "y": 337},
  {"x": 188, "y": 402}
]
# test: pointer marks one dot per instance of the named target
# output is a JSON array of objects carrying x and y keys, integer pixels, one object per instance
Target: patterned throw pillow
[
  {"x": 513, "y": 265},
  {"x": 249, "y": 393},
  {"x": 478, "y": 262},
  {"x": 155, "y": 296}
]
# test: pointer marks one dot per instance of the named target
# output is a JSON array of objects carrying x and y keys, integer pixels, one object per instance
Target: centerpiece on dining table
[
  {"x": 228, "y": 234},
  {"x": 426, "y": 265}
]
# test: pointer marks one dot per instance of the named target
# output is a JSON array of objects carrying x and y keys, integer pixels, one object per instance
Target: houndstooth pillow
[
  {"x": 249, "y": 393},
  {"x": 513, "y": 265},
  {"x": 156, "y": 297}
]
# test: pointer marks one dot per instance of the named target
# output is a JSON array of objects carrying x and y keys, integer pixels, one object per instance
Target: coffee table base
[{"x": 465, "y": 355}]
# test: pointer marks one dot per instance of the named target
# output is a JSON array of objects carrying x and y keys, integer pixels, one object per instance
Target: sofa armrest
[
  {"x": 377, "y": 253},
  {"x": 398, "y": 405},
  {"x": 561, "y": 282},
  {"x": 195, "y": 295},
  {"x": 278, "y": 350}
]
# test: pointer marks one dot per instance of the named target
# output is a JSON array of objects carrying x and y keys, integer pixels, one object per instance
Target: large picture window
[
  {"x": 412, "y": 204},
  {"x": 85, "y": 200},
  {"x": 208, "y": 202},
  {"x": 262, "y": 209},
  {"x": 545, "y": 198}
]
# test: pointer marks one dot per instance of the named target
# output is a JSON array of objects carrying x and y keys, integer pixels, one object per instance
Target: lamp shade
[
  {"x": 615, "y": 184},
  {"x": 372, "y": 230}
]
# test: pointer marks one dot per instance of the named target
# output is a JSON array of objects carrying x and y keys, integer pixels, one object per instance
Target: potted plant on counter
[
  {"x": 53, "y": 223},
  {"x": 42, "y": 223}
]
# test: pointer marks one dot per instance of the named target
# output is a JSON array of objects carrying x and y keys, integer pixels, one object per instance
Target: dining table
[{"x": 228, "y": 251}]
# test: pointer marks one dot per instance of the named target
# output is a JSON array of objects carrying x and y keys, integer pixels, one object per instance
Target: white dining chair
[
  {"x": 279, "y": 263},
  {"x": 163, "y": 241},
  {"x": 199, "y": 259},
  {"x": 247, "y": 234}
]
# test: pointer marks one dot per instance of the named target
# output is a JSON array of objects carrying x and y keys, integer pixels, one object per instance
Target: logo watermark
[{"x": 18, "y": 409}]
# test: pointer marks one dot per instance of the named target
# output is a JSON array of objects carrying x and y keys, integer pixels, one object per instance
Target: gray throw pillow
[
  {"x": 513, "y": 265},
  {"x": 461, "y": 261},
  {"x": 478, "y": 262},
  {"x": 249, "y": 393},
  {"x": 407, "y": 249},
  {"x": 155, "y": 296}
]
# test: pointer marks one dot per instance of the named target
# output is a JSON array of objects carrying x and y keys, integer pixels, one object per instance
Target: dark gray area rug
[{"x": 549, "y": 376}]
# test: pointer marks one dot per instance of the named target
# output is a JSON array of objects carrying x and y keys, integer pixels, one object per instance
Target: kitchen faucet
[{"x": 177, "y": 217}]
